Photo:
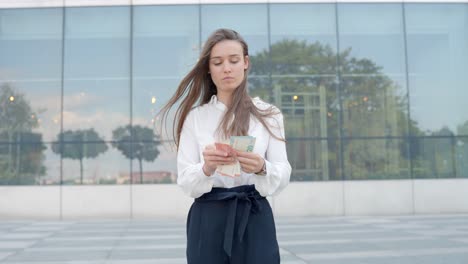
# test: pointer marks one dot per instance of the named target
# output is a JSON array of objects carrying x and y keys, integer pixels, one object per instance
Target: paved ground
[{"x": 336, "y": 240}]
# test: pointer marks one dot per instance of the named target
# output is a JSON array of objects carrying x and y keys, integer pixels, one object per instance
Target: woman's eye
[{"x": 234, "y": 61}]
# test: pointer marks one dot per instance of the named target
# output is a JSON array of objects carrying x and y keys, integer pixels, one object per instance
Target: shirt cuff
[{"x": 201, "y": 174}]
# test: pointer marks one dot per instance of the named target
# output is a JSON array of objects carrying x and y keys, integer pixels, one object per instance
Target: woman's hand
[
  {"x": 250, "y": 162},
  {"x": 213, "y": 158}
]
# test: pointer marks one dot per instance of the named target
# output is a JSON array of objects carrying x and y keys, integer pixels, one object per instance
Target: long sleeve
[
  {"x": 191, "y": 177},
  {"x": 277, "y": 165}
]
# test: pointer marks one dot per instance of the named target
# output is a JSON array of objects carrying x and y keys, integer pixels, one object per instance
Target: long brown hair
[{"x": 197, "y": 88}]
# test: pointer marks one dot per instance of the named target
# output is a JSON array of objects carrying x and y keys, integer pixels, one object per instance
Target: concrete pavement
[{"x": 427, "y": 239}]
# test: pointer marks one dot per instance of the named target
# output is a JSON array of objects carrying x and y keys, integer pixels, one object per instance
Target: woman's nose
[{"x": 227, "y": 67}]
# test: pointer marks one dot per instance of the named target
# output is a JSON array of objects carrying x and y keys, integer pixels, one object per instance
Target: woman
[{"x": 230, "y": 220}]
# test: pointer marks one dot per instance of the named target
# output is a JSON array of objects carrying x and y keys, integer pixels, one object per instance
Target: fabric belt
[{"x": 245, "y": 193}]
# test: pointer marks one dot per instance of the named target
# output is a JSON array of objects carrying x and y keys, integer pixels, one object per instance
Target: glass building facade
[{"x": 369, "y": 91}]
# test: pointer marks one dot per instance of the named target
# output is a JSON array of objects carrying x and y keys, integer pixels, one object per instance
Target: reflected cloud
[
  {"x": 80, "y": 100},
  {"x": 102, "y": 122}
]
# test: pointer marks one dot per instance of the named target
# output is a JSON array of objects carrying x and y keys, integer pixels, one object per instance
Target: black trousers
[{"x": 231, "y": 226}]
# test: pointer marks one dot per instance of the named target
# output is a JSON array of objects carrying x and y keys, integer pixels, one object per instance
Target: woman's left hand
[{"x": 250, "y": 162}]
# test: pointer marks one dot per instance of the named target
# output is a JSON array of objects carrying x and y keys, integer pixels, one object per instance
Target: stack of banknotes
[{"x": 239, "y": 143}]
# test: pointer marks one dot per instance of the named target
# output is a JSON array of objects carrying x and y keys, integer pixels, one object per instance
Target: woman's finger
[{"x": 247, "y": 161}]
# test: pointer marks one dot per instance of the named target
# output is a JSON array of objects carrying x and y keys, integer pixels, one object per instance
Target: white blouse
[{"x": 199, "y": 130}]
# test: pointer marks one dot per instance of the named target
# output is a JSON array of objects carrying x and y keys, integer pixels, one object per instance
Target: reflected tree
[
  {"x": 136, "y": 142},
  {"x": 21, "y": 150},
  {"x": 462, "y": 150},
  {"x": 79, "y": 145},
  {"x": 301, "y": 79},
  {"x": 462, "y": 129}
]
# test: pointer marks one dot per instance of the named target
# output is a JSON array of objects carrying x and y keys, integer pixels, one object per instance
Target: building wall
[
  {"x": 373, "y": 94},
  {"x": 331, "y": 198}
]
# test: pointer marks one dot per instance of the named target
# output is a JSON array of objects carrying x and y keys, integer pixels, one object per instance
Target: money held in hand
[{"x": 239, "y": 143}]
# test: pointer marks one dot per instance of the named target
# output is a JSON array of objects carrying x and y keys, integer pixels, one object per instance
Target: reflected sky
[
  {"x": 99, "y": 63},
  {"x": 97, "y": 48}
]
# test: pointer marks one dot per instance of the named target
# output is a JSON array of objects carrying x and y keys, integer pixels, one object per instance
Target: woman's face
[{"x": 227, "y": 65}]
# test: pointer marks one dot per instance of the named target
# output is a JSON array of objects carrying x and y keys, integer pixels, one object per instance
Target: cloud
[{"x": 102, "y": 122}]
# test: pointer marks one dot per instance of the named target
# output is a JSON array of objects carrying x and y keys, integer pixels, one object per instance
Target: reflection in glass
[
  {"x": 30, "y": 69},
  {"x": 373, "y": 106},
  {"x": 341, "y": 122},
  {"x": 373, "y": 32},
  {"x": 77, "y": 147},
  {"x": 312, "y": 159},
  {"x": 97, "y": 69},
  {"x": 22, "y": 161},
  {"x": 303, "y": 39},
  {"x": 162, "y": 170},
  {"x": 434, "y": 157},
  {"x": 461, "y": 152},
  {"x": 137, "y": 143},
  {"x": 307, "y": 115},
  {"x": 92, "y": 163},
  {"x": 376, "y": 159},
  {"x": 437, "y": 36},
  {"x": 166, "y": 44},
  {"x": 16, "y": 114},
  {"x": 165, "y": 41}
]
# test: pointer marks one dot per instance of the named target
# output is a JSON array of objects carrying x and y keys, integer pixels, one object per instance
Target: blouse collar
[{"x": 216, "y": 103}]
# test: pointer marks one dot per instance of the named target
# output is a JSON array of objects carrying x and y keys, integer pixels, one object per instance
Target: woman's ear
[{"x": 246, "y": 62}]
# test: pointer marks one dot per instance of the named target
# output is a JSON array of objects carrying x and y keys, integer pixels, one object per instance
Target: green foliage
[
  {"x": 136, "y": 142},
  {"x": 462, "y": 130},
  {"x": 79, "y": 145},
  {"x": 368, "y": 100},
  {"x": 21, "y": 150},
  {"x": 15, "y": 112}
]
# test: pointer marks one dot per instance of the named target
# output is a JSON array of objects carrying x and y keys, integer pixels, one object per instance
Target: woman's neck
[{"x": 226, "y": 99}]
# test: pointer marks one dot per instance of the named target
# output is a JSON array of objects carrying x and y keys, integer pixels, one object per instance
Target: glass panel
[
  {"x": 461, "y": 152},
  {"x": 97, "y": 69},
  {"x": 433, "y": 157},
  {"x": 437, "y": 62},
  {"x": 376, "y": 159},
  {"x": 92, "y": 163},
  {"x": 155, "y": 165},
  {"x": 250, "y": 21},
  {"x": 309, "y": 119},
  {"x": 312, "y": 159},
  {"x": 30, "y": 70},
  {"x": 373, "y": 33},
  {"x": 374, "y": 106},
  {"x": 303, "y": 40},
  {"x": 141, "y": 144},
  {"x": 166, "y": 41},
  {"x": 28, "y": 161},
  {"x": 307, "y": 104},
  {"x": 166, "y": 46}
]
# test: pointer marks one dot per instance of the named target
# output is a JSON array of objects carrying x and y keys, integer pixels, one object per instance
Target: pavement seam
[
  {"x": 22, "y": 250},
  {"x": 118, "y": 240}
]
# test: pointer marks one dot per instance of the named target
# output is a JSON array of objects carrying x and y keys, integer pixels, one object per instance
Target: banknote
[
  {"x": 243, "y": 143},
  {"x": 226, "y": 148},
  {"x": 239, "y": 143}
]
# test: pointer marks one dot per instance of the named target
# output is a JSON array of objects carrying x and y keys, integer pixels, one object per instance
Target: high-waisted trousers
[{"x": 231, "y": 226}]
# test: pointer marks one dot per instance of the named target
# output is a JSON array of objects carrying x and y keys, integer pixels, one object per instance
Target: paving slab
[{"x": 409, "y": 239}]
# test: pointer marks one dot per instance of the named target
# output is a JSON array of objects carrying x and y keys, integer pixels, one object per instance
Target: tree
[
  {"x": 78, "y": 145},
  {"x": 301, "y": 79},
  {"x": 462, "y": 150},
  {"x": 21, "y": 150},
  {"x": 136, "y": 142},
  {"x": 462, "y": 130}
]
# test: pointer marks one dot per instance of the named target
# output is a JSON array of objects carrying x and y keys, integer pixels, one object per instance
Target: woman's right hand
[{"x": 213, "y": 158}]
